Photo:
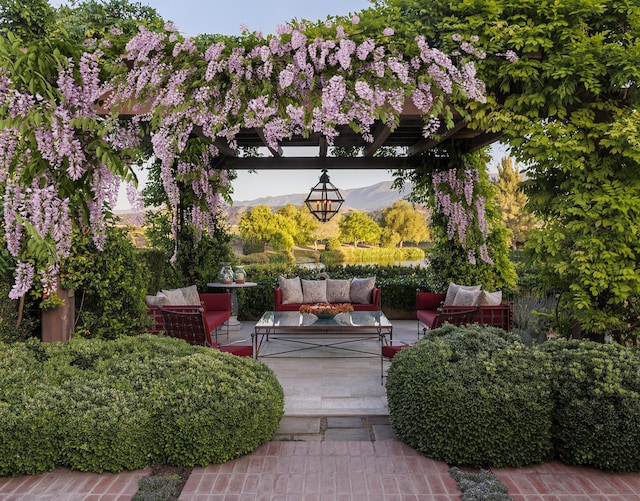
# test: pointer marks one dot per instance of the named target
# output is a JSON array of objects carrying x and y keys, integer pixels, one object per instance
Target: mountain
[{"x": 369, "y": 198}]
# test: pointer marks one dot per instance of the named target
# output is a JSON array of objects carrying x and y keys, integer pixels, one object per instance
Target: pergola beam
[
  {"x": 429, "y": 143},
  {"x": 380, "y": 135},
  {"x": 276, "y": 153},
  {"x": 319, "y": 163}
]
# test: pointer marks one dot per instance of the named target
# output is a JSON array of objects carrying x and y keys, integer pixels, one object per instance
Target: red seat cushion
[
  {"x": 392, "y": 351},
  {"x": 237, "y": 350},
  {"x": 427, "y": 317}
]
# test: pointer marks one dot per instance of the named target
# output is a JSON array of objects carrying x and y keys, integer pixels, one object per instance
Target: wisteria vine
[
  {"x": 455, "y": 196},
  {"x": 60, "y": 161},
  {"x": 56, "y": 166},
  {"x": 291, "y": 83}
]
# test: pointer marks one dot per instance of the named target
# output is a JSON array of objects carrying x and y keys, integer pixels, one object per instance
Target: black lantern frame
[{"x": 324, "y": 200}]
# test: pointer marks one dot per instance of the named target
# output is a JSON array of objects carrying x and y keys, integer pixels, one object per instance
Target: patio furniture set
[{"x": 198, "y": 317}]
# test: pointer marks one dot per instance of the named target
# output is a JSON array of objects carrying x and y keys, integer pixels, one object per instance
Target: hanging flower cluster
[
  {"x": 455, "y": 197},
  {"x": 289, "y": 84},
  {"x": 55, "y": 166}
]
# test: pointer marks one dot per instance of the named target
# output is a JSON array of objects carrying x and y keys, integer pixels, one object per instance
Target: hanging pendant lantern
[{"x": 325, "y": 200}]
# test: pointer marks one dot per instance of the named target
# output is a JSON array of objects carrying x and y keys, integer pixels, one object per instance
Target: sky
[{"x": 194, "y": 17}]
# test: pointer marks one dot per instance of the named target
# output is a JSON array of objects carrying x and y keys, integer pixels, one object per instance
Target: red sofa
[
  {"x": 373, "y": 306},
  {"x": 217, "y": 310},
  {"x": 430, "y": 304}
]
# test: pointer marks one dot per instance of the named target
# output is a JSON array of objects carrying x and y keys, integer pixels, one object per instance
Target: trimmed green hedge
[
  {"x": 596, "y": 389},
  {"x": 96, "y": 405},
  {"x": 475, "y": 396},
  {"x": 472, "y": 396}
]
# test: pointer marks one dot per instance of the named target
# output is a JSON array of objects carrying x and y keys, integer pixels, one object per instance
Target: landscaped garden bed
[
  {"x": 95, "y": 405},
  {"x": 478, "y": 396}
]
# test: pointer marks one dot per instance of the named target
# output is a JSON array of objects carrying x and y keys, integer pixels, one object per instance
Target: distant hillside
[{"x": 369, "y": 198}]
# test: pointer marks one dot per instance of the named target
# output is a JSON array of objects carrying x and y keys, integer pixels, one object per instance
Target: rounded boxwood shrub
[
  {"x": 596, "y": 389},
  {"x": 98, "y": 405},
  {"x": 472, "y": 395}
]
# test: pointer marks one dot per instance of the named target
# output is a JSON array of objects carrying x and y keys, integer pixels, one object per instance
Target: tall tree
[
  {"x": 27, "y": 19},
  {"x": 305, "y": 225},
  {"x": 401, "y": 222},
  {"x": 512, "y": 202},
  {"x": 358, "y": 227}
]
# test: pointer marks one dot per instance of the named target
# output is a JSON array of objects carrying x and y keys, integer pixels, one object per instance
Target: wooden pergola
[{"x": 407, "y": 137}]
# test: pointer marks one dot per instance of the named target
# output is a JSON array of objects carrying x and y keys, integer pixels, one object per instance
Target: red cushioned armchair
[{"x": 192, "y": 327}]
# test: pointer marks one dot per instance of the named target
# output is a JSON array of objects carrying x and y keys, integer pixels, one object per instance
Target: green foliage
[
  {"x": 472, "y": 396},
  {"x": 198, "y": 257},
  {"x": 403, "y": 223},
  {"x": 568, "y": 107},
  {"x": 596, "y": 389},
  {"x": 450, "y": 263},
  {"x": 158, "y": 488},
  {"x": 28, "y": 19},
  {"x": 110, "y": 285},
  {"x": 287, "y": 227},
  {"x": 511, "y": 202},
  {"x": 448, "y": 256},
  {"x": 250, "y": 246},
  {"x": 333, "y": 244},
  {"x": 480, "y": 485},
  {"x": 156, "y": 262},
  {"x": 112, "y": 405},
  {"x": 589, "y": 246},
  {"x": 380, "y": 255},
  {"x": 9, "y": 314},
  {"x": 358, "y": 227}
]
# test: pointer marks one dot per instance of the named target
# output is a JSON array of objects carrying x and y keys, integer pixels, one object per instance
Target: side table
[{"x": 232, "y": 288}]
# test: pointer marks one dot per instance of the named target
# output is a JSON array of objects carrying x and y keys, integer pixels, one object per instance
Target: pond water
[{"x": 420, "y": 264}]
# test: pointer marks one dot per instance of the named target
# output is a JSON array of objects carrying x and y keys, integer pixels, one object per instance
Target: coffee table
[{"x": 301, "y": 326}]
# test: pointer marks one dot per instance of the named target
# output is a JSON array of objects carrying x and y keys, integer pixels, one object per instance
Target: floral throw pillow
[
  {"x": 314, "y": 291},
  {"x": 291, "y": 290},
  {"x": 362, "y": 290},
  {"x": 338, "y": 291}
]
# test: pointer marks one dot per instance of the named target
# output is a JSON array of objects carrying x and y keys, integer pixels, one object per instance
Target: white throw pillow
[
  {"x": 467, "y": 298},
  {"x": 174, "y": 297},
  {"x": 157, "y": 300},
  {"x": 291, "y": 290},
  {"x": 338, "y": 291},
  {"x": 191, "y": 295},
  {"x": 491, "y": 298},
  {"x": 314, "y": 291},
  {"x": 361, "y": 291},
  {"x": 453, "y": 289}
]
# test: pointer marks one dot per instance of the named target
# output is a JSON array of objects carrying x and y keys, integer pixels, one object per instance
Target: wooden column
[{"x": 57, "y": 323}]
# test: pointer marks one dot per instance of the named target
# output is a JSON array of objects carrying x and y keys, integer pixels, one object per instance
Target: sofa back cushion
[
  {"x": 174, "y": 297},
  {"x": 491, "y": 298},
  {"x": 467, "y": 298},
  {"x": 191, "y": 294},
  {"x": 361, "y": 290},
  {"x": 338, "y": 291},
  {"x": 454, "y": 288},
  {"x": 429, "y": 300},
  {"x": 291, "y": 290},
  {"x": 314, "y": 291}
]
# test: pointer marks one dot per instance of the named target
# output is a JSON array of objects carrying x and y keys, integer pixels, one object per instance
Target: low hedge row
[
  {"x": 476, "y": 396},
  {"x": 95, "y": 405}
]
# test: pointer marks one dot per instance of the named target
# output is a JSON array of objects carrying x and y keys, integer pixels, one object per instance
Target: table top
[
  {"x": 232, "y": 285},
  {"x": 302, "y": 321}
]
